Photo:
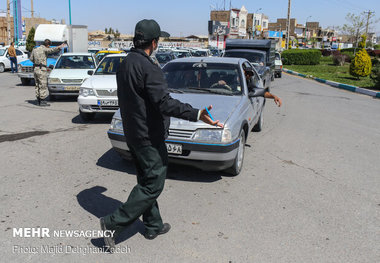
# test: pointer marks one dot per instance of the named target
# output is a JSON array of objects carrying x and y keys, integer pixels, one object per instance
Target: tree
[
  {"x": 30, "y": 44},
  {"x": 117, "y": 34},
  {"x": 105, "y": 31},
  {"x": 355, "y": 27},
  {"x": 361, "y": 65}
]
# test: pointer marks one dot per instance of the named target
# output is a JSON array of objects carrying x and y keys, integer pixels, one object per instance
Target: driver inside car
[{"x": 253, "y": 82}]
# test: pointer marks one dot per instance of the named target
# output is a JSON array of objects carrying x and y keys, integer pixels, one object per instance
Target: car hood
[
  {"x": 104, "y": 82},
  {"x": 69, "y": 73},
  {"x": 222, "y": 108},
  {"x": 28, "y": 63}
]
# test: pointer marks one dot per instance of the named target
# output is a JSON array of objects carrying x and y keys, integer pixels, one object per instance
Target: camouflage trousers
[{"x": 40, "y": 77}]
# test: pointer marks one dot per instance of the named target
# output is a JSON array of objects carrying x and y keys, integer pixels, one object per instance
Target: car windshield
[
  {"x": 163, "y": 58},
  {"x": 75, "y": 62},
  {"x": 182, "y": 54},
  {"x": 2, "y": 52},
  {"x": 277, "y": 56},
  {"x": 255, "y": 58},
  {"x": 199, "y": 53},
  {"x": 109, "y": 66},
  {"x": 100, "y": 56},
  {"x": 217, "y": 78}
]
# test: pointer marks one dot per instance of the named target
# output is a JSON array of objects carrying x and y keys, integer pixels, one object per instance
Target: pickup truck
[{"x": 261, "y": 53}]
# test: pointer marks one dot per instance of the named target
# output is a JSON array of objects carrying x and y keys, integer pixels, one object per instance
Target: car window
[
  {"x": 2, "y": 52},
  {"x": 109, "y": 66},
  {"x": 18, "y": 53},
  {"x": 189, "y": 77},
  {"x": 163, "y": 58},
  {"x": 256, "y": 58},
  {"x": 278, "y": 57},
  {"x": 75, "y": 62}
]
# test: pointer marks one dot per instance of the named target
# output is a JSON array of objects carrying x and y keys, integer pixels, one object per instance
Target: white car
[
  {"x": 99, "y": 92},
  {"x": 278, "y": 65},
  {"x": 5, "y": 62},
  {"x": 69, "y": 73}
]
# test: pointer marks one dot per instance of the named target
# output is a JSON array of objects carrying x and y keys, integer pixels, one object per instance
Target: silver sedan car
[{"x": 200, "y": 82}]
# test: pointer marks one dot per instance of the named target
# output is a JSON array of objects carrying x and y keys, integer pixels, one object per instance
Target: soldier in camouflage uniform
[{"x": 39, "y": 57}]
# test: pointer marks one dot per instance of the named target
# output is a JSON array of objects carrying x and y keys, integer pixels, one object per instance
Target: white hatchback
[
  {"x": 99, "y": 92},
  {"x": 5, "y": 62}
]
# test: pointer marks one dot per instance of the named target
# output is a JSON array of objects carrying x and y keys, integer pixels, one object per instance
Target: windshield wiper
[
  {"x": 176, "y": 91},
  {"x": 212, "y": 91}
]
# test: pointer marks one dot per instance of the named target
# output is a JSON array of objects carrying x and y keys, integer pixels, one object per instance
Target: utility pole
[
  {"x": 9, "y": 22},
  {"x": 31, "y": 7},
  {"x": 369, "y": 12},
  {"x": 288, "y": 26}
]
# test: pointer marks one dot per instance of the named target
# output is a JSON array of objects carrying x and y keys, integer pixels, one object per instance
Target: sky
[{"x": 187, "y": 17}]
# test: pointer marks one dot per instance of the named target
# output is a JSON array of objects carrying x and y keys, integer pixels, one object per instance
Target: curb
[{"x": 337, "y": 84}]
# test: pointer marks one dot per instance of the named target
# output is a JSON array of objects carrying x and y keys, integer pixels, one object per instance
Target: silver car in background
[{"x": 200, "y": 82}]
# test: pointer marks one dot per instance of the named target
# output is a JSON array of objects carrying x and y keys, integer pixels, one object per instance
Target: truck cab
[
  {"x": 261, "y": 53},
  {"x": 57, "y": 34}
]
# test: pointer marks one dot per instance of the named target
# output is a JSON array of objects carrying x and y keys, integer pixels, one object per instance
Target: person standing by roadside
[
  {"x": 13, "y": 57},
  {"x": 39, "y": 59},
  {"x": 146, "y": 107}
]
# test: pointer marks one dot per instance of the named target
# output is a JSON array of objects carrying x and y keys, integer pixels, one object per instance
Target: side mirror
[
  {"x": 257, "y": 92},
  {"x": 51, "y": 66},
  {"x": 90, "y": 72}
]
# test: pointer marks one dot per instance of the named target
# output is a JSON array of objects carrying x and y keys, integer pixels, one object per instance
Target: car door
[{"x": 21, "y": 56}]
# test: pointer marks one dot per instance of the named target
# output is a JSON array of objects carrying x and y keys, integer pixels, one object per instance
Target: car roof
[
  {"x": 117, "y": 55},
  {"x": 77, "y": 54},
  {"x": 210, "y": 60}
]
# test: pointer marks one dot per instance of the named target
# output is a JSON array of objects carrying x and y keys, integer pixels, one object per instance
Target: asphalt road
[{"x": 309, "y": 190}]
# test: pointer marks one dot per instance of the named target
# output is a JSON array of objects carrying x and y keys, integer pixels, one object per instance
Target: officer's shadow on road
[
  {"x": 95, "y": 202},
  {"x": 100, "y": 118},
  {"x": 111, "y": 160}
]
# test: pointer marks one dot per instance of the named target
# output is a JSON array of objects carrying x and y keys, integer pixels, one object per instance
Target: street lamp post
[{"x": 70, "y": 11}]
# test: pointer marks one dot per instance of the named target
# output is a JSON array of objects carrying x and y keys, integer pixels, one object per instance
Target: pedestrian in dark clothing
[{"x": 146, "y": 107}]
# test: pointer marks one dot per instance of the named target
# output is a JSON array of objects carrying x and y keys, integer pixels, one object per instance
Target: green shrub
[
  {"x": 362, "y": 41},
  {"x": 376, "y": 47},
  {"x": 301, "y": 57},
  {"x": 361, "y": 65}
]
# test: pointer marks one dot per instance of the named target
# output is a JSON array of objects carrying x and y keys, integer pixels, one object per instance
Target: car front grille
[
  {"x": 71, "y": 80},
  {"x": 182, "y": 134},
  {"x": 27, "y": 69},
  {"x": 106, "y": 93},
  {"x": 94, "y": 107}
]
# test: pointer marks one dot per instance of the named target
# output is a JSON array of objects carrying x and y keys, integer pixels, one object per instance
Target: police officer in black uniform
[{"x": 146, "y": 107}]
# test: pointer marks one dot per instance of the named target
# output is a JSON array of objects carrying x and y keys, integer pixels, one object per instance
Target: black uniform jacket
[{"x": 145, "y": 102}]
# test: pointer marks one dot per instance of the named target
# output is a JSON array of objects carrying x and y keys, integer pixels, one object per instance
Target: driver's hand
[
  {"x": 277, "y": 100},
  {"x": 222, "y": 82},
  {"x": 207, "y": 119}
]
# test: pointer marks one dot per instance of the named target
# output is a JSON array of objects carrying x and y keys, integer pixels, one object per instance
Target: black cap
[{"x": 148, "y": 30}]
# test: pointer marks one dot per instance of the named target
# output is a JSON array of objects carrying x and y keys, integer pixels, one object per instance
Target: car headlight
[
  {"x": 86, "y": 92},
  {"x": 19, "y": 68},
  {"x": 212, "y": 135},
  {"x": 54, "y": 81},
  {"x": 117, "y": 125}
]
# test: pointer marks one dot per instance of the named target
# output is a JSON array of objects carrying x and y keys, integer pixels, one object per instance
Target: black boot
[
  {"x": 38, "y": 101},
  {"x": 43, "y": 103}
]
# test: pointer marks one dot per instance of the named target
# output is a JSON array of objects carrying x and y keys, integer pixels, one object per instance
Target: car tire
[
  {"x": 239, "y": 159},
  {"x": 87, "y": 116},
  {"x": 259, "y": 125},
  {"x": 25, "y": 81},
  {"x": 2, "y": 67}
]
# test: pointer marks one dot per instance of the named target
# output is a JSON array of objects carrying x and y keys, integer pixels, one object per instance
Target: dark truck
[{"x": 261, "y": 53}]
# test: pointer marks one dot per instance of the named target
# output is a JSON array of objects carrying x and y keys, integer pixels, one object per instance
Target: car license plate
[
  {"x": 108, "y": 103},
  {"x": 174, "y": 148},
  {"x": 72, "y": 87}
]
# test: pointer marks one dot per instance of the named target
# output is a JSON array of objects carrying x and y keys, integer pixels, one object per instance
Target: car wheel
[
  {"x": 238, "y": 162},
  {"x": 25, "y": 81},
  {"x": 2, "y": 67},
  {"x": 259, "y": 125},
  {"x": 87, "y": 116}
]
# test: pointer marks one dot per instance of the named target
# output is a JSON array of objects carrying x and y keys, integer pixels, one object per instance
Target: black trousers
[{"x": 151, "y": 165}]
